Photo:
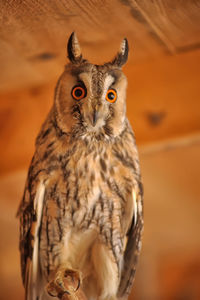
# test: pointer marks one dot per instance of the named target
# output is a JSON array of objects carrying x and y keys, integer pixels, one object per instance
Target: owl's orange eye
[
  {"x": 78, "y": 92},
  {"x": 111, "y": 95}
]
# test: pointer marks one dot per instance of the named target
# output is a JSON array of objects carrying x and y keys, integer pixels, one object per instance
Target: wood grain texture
[
  {"x": 33, "y": 34},
  {"x": 176, "y": 23}
]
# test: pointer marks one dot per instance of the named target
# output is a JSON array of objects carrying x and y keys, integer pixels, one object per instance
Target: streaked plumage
[{"x": 82, "y": 204}]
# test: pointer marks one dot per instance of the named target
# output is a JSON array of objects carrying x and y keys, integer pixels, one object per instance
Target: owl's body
[{"x": 82, "y": 205}]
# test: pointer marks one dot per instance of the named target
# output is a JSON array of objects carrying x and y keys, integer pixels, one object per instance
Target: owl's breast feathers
[{"x": 88, "y": 185}]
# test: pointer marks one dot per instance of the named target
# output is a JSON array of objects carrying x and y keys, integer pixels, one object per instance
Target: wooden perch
[{"x": 70, "y": 289}]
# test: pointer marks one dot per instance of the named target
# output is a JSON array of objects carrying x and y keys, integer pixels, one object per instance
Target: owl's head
[{"x": 90, "y": 100}]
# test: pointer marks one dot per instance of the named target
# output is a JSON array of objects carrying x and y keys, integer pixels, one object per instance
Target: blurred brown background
[{"x": 163, "y": 107}]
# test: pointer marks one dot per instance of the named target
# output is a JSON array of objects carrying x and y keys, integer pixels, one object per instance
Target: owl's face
[{"x": 90, "y": 100}]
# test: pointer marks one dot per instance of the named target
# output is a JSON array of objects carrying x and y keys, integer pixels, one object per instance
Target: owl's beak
[{"x": 95, "y": 117}]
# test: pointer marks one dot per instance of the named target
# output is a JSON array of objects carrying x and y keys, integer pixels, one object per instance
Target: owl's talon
[
  {"x": 51, "y": 289},
  {"x": 79, "y": 284},
  {"x": 64, "y": 283},
  {"x": 74, "y": 276}
]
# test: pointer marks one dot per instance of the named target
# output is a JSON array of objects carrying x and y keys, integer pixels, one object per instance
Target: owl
[{"x": 82, "y": 209}]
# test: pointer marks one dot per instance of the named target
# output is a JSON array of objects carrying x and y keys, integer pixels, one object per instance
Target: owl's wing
[
  {"x": 133, "y": 245},
  {"x": 30, "y": 222}
]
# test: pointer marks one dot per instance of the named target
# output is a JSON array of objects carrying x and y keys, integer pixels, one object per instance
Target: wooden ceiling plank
[
  {"x": 160, "y": 34},
  {"x": 38, "y": 31},
  {"x": 176, "y": 22}
]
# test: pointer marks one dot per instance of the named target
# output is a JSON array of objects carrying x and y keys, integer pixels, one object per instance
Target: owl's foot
[{"x": 66, "y": 281}]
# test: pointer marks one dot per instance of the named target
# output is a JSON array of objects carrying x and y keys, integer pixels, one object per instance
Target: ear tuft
[
  {"x": 122, "y": 55},
  {"x": 74, "y": 49}
]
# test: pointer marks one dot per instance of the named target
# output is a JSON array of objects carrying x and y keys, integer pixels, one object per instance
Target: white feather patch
[
  {"x": 109, "y": 80},
  {"x": 123, "y": 47},
  {"x": 33, "y": 280},
  {"x": 134, "y": 206}
]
